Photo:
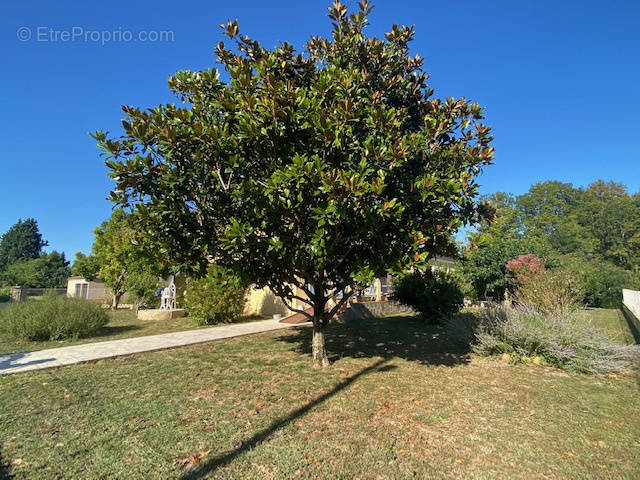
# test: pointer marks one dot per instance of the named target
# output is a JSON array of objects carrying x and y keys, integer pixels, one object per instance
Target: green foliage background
[
  {"x": 593, "y": 232},
  {"x": 219, "y": 297},
  {"x": 433, "y": 294}
]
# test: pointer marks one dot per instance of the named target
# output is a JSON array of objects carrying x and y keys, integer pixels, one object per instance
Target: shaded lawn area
[
  {"x": 123, "y": 324},
  {"x": 401, "y": 400}
]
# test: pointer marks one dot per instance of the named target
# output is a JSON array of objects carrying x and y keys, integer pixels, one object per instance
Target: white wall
[{"x": 631, "y": 300}]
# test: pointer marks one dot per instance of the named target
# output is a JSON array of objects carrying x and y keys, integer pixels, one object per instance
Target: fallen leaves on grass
[
  {"x": 193, "y": 458},
  {"x": 259, "y": 406}
]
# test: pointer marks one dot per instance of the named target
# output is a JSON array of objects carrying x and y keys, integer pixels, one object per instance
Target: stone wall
[
  {"x": 375, "y": 310},
  {"x": 20, "y": 294}
]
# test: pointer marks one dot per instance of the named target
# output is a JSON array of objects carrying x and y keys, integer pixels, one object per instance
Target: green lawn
[
  {"x": 123, "y": 324},
  {"x": 612, "y": 321},
  {"x": 401, "y": 400}
]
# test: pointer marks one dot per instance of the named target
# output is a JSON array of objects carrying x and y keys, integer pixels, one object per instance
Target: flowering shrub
[
  {"x": 546, "y": 291},
  {"x": 524, "y": 335},
  {"x": 525, "y": 266}
]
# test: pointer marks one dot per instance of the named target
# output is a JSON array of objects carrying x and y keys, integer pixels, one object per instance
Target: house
[{"x": 262, "y": 301}]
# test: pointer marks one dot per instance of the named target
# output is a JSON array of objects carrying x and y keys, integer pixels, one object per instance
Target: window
[{"x": 82, "y": 290}]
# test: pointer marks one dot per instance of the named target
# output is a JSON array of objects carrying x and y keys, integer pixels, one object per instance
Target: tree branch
[
  {"x": 342, "y": 301},
  {"x": 286, "y": 304}
]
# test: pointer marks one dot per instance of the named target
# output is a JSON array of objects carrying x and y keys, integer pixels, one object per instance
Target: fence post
[{"x": 16, "y": 293}]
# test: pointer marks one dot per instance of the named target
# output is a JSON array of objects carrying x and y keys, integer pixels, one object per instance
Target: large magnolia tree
[{"x": 320, "y": 169}]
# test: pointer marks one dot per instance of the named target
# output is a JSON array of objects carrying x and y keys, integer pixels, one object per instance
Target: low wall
[
  {"x": 631, "y": 310},
  {"x": 375, "y": 310},
  {"x": 157, "y": 314},
  {"x": 20, "y": 294},
  {"x": 631, "y": 299}
]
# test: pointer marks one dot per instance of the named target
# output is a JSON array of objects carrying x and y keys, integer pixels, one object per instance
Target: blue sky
[{"x": 560, "y": 82}]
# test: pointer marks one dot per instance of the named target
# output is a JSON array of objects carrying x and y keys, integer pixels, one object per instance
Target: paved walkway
[{"x": 58, "y": 357}]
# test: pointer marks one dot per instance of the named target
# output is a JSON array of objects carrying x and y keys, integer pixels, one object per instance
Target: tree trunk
[
  {"x": 319, "y": 352},
  {"x": 115, "y": 302}
]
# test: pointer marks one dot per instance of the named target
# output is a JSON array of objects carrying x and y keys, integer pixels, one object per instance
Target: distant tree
[
  {"x": 485, "y": 260},
  {"x": 86, "y": 266},
  {"x": 611, "y": 218},
  {"x": 50, "y": 270},
  {"x": 549, "y": 211},
  {"x": 603, "y": 281},
  {"x": 22, "y": 241},
  {"x": 111, "y": 249},
  {"x": 599, "y": 222},
  {"x": 318, "y": 170},
  {"x": 498, "y": 239},
  {"x": 568, "y": 226},
  {"x": 120, "y": 254}
]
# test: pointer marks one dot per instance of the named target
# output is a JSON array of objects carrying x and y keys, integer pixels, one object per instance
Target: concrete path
[{"x": 58, "y": 357}]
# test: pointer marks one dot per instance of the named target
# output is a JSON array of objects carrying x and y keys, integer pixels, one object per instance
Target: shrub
[
  {"x": 142, "y": 288},
  {"x": 5, "y": 294},
  {"x": 555, "y": 292},
  {"x": 603, "y": 282},
  {"x": 525, "y": 335},
  {"x": 217, "y": 298},
  {"x": 52, "y": 318},
  {"x": 432, "y": 294}
]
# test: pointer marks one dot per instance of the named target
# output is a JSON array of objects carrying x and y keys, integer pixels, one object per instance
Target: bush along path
[{"x": 58, "y": 357}]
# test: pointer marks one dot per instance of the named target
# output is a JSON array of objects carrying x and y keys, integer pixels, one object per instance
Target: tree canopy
[
  {"x": 86, "y": 266},
  {"x": 595, "y": 231},
  {"x": 123, "y": 262},
  {"x": 49, "y": 270},
  {"x": 22, "y": 261},
  {"x": 317, "y": 170},
  {"x": 22, "y": 241}
]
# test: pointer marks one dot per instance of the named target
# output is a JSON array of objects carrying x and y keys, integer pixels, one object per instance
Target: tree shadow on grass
[
  {"x": 206, "y": 468},
  {"x": 10, "y": 361},
  {"x": 4, "y": 470},
  {"x": 631, "y": 323},
  {"x": 406, "y": 337}
]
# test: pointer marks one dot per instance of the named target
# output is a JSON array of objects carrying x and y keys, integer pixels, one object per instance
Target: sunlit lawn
[
  {"x": 401, "y": 400},
  {"x": 123, "y": 324},
  {"x": 612, "y": 321}
]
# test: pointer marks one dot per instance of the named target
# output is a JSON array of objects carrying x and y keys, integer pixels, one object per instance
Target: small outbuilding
[{"x": 80, "y": 287}]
